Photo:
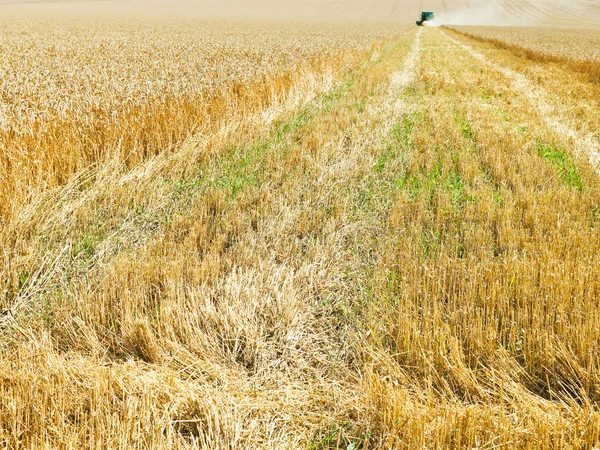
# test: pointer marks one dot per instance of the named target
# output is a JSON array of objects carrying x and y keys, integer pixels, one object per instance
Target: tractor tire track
[{"x": 402, "y": 79}]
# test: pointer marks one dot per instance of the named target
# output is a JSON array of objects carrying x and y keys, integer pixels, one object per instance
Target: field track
[
  {"x": 583, "y": 142},
  {"x": 405, "y": 255}
]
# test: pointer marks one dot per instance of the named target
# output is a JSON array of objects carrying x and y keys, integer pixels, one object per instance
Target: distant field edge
[{"x": 591, "y": 69}]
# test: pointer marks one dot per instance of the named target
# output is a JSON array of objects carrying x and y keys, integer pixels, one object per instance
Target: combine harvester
[
  {"x": 428, "y": 16},
  {"x": 425, "y": 17}
]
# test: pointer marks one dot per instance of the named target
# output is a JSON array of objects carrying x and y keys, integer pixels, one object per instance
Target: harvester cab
[{"x": 425, "y": 16}]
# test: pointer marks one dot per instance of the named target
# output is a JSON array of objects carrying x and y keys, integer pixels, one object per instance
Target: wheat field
[
  {"x": 78, "y": 93},
  {"x": 267, "y": 225}
]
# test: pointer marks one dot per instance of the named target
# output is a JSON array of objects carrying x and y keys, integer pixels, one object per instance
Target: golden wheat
[
  {"x": 373, "y": 241},
  {"x": 78, "y": 93}
]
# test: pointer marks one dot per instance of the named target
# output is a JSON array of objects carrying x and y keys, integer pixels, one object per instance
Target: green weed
[
  {"x": 340, "y": 437},
  {"x": 565, "y": 167},
  {"x": 466, "y": 130},
  {"x": 86, "y": 246},
  {"x": 398, "y": 143}
]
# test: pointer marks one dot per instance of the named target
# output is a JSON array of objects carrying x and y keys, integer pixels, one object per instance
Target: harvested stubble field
[
  {"x": 577, "y": 47},
  {"x": 577, "y": 44},
  {"x": 299, "y": 236}
]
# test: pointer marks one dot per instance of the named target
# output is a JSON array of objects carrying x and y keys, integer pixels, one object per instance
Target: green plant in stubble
[{"x": 565, "y": 167}]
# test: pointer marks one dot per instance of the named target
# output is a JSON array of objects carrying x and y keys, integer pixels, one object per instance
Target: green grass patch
[
  {"x": 240, "y": 170},
  {"x": 86, "y": 245},
  {"x": 427, "y": 183},
  {"x": 398, "y": 142},
  {"x": 423, "y": 182},
  {"x": 186, "y": 187},
  {"x": 455, "y": 185},
  {"x": 466, "y": 130},
  {"x": 565, "y": 167},
  {"x": 290, "y": 126}
]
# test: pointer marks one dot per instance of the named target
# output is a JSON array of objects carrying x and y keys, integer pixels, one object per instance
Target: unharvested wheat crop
[{"x": 73, "y": 94}]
